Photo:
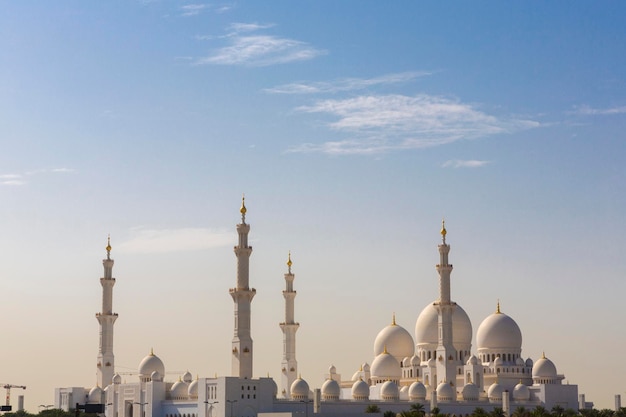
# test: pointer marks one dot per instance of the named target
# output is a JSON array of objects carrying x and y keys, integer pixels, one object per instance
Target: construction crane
[{"x": 8, "y": 387}]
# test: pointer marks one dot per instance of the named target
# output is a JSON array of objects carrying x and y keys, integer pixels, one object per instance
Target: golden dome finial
[
  {"x": 289, "y": 263},
  {"x": 151, "y": 352},
  {"x": 108, "y": 248},
  {"x": 543, "y": 355},
  {"x": 243, "y": 209},
  {"x": 393, "y": 320},
  {"x": 443, "y": 232},
  {"x": 498, "y": 308},
  {"x": 385, "y": 350}
]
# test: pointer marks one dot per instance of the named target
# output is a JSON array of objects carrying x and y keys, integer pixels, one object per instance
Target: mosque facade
[{"x": 436, "y": 369}]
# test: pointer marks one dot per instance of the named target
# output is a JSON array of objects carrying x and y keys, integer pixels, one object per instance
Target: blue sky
[{"x": 353, "y": 128}]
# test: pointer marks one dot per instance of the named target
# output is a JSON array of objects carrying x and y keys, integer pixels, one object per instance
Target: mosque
[{"x": 436, "y": 369}]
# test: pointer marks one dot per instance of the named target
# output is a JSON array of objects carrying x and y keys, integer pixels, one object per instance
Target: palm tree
[
  {"x": 497, "y": 412},
  {"x": 479, "y": 412},
  {"x": 557, "y": 411},
  {"x": 521, "y": 412},
  {"x": 389, "y": 413},
  {"x": 417, "y": 410},
  {"x": 372, "y": 408},
  {"x": 435, "y": 412},
  {"x": 540, "y": 411}
]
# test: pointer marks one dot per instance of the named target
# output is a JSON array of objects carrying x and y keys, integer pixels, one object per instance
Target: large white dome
[
  {"x": 150, "y": 364},
  {"x": 427, "y": 327},
  {"x": 396, "y": 339},
  {"x": 385, "y": 366},
  {"x": 360, "y": 390},
  {"x": 499, "y": 331},
  {"x": 544, "y": 368},
  {"x": 331, "y": 390},
  {"x": 417, "y": 391}
]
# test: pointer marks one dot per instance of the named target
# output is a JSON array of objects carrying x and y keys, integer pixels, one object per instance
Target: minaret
[
  {"x": 446, "y": 354},
  {"x": 289, "y": 328},
  {"x": 106, "y": 318},
  {"x": 242, "y": 296}
]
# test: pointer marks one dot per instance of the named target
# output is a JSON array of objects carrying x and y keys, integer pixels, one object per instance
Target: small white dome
[
  {"x": 427, "y": 327},
  {"x": 187, "y": 377},
  {"x": 521, "y": 392},
  {"x": 330, "y": 390},
  {"x": 415, "y": 360},
  {"x": 389, "y": 391},
  {"x": 417, "y": 391},
  {"x": 445, "y": 392},
  {"x": 396, "y": 340},
  {"x": 95, "y": 395},
  {"x": 519, "y": 361},
  {"x": 360, "y": 390},
  {"x": 404, "y": 393},
  {"x": 356, "y": 376},
  {"x": 117, "y": 379},
  {"x": 498, "y": 361},
  {"x": 300, "y": 389},
  {"x": 544, "y": 368},
  {"x": 499, "y": 331},
  {"x": 156, "y": 376},
  {"x": 179, "y": 390},
  {"x": 406, "y": 362},
  {"x": 366, "y": 367},
  {"x": 470, "y": 392},
  {"x": 150, "y": 364},
  {"x": 495, "y": 392},
  {"x": 473, "y": 360},
  {"x": 332, "y": 370},
  {"x": 529, "y": 362},
  {"x": 386, "y": 366},
  {"x": 193, "y": 389}
]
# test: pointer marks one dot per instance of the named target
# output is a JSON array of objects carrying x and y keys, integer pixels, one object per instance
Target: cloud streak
[
  {"x": 458, "y": 163},
  {"x": 246, "y": 48},
  {"x": 585, "y": 110},
  {"x": 144, "y": 240},
  {"x": 346, "y": 84},
  {"x": 24, "y": 178},
  {"x": 384, "y": 123}
]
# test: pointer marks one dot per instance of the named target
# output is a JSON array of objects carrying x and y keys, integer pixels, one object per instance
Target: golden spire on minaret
[
  {"x": 443, "y": 232},
  {"x": 243, "y": 209},
  {"x": 289, "y": 263},
  {"x": 108, "y": 248}
]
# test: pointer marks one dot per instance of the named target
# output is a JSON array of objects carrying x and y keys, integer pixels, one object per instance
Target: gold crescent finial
[
  {"x": 108, "y": 248},
  {"x": 498, "y": 308},
  {"x": 393, "y": 320},
  {"x": 543, "y": 355},
  {"x": 385, "y": 350},
  {"x": 151, "y": 352},
  {"x": 243, "y": 209},
  {"x": 289, "y": 263},
  {"x": 443, "y": 232}
]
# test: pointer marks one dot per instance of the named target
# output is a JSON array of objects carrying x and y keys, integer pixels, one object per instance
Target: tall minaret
[
  {"x": 242, "y": 296},
  {"x": 446, "y": 354},
  {"x": 289, "y": 328},
  {"x": 106, "y": 318}
]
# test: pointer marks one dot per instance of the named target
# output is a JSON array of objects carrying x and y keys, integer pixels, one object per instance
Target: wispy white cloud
[
  {"x": 24, "y": 178},
  {"x": 458, "y": 163},
  {"x": 346, "y": 84},
  {"x": 395, "y": 122},
  {"x": 144, "y": 240},
  {"x": 193, "y": 9},
  {"x": 590, "y": 111},
  {"x": 257, "y": 50}
]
